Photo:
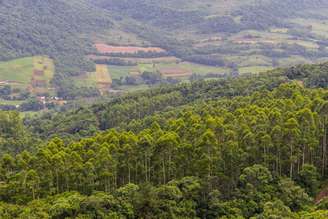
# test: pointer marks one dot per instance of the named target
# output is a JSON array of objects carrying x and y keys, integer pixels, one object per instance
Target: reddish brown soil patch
[
  {"x": 175, "y": 72},
  {"x": 38, "y": 73},
  {"x": 104, "y": 48}
]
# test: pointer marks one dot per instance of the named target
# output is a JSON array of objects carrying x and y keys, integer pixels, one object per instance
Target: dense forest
[
  {"x": 52, "y": 28},
  {"x": 247, "y": 147}
]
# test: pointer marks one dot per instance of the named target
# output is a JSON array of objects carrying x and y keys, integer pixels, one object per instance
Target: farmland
[
  {"x": 108, "y": 49},
  {"x": 28, "y": 73},
  {"x": 43, "y": 72},
  {"x": 100, "y": 79},
  {"x": 17, "y": 72}
]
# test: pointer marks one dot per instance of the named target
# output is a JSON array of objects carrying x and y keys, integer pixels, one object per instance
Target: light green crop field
[
  {"x": 195, "y": 68},
  {"x": 133, "y": 88},
  {"x": 10, "y": 102},
  {"x": 46, "y": 65},
  {"x": 254, "y": 69},
  {"x": 251, "y": 60},
  {"x": 293, "y": 60},
  {"x": 18, "y": 70},
  {"x": 116, "y": 72}
]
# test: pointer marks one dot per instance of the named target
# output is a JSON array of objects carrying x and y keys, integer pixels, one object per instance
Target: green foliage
[
  {"x": 309, "y": 179},
  {"x": 211, "y": 149},
  {"x": 50, "y": 28},
  {"x": 225, "y": 157}
]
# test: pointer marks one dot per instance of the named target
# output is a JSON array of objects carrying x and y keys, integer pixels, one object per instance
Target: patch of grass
[
  {"x": 19, "y": 73},
  {"x": 293, "y": 60},
  {"x": 116, "y": 72},
  {"x": 19, "y": 70},
  {"x": 251, "y": 60},
  {"x": 102, "y": 74},
  {"x": 254, "y": 69},
  {"x": 133, "y": 88},
  {"x": 10, "y": 102},
  {"x": 45, "y": 64},
  {"x": 195, "y": 68}
]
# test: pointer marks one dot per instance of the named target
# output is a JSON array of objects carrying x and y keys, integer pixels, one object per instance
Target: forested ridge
[
  {"x": 123, "y": 109},
  {"x": 248, "y": 147},
  {"x": 53, "y": 28}
]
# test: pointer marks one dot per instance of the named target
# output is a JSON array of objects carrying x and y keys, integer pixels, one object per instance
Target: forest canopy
[{"x": 249, "y": 147}]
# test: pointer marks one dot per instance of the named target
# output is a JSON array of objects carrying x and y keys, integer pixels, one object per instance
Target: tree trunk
[
  {"x": 291, "y": 162},
  {"x": 324, "y": 149},
  {"x": 164, "y": 177}
]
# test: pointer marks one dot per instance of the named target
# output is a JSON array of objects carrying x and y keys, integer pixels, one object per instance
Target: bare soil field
[
  {"x": 175, "y": 72},
  {"x": 107, "y": 49}
]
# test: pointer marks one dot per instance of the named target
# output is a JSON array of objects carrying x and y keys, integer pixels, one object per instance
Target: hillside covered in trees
[
  {"x": 248, "y": 147},
  {"x": 83, "y": 49}
]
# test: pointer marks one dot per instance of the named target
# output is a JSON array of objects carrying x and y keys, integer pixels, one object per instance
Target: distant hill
[
  {"x": 231, "y": 36},
  {"x": 50, "y": 27},
  {"x": 65, "y": 29},
  {"x": 211, "y": 29}
]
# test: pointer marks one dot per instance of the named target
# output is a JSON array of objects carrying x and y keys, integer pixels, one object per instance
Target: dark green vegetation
[
  {"x": 253, "y": 146},
  {"x": 52, "y": 28}
]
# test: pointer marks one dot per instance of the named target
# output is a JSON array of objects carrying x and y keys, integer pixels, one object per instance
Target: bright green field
[
  {"x": 195, "y": 68},
  {"x": 46, "y": 65},
  {"x": 117, "y": 72},
  {"x": 10, "y": 102},
  {"x": 19, "y": 70},
  {"x": 132, "y": 88},
  {"x": 254, "y": 69}
]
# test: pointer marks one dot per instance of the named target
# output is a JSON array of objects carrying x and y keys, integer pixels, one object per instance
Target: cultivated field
[
  {"x": 17, "y": 72},
  {"x": 101, "y": 78},
  {"x": 108, "y": 49},
  {"x": 32, "y": 73},
  {"x": 164, "y": 59},
  {"x": 43, "y": 72},
  {"x": 189, "y": 67}
]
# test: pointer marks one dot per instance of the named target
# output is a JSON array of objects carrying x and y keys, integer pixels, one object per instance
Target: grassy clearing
[
  {"x": 10, "y": 102},
  {"x": 102, "y": 74},
  {"x": 133, "y": 88},
  {"x": 46, "y": 65},
  {"x": 18, "y": 70},
  {"x": 254, "y": 69},
  {"x": 116, "y": 72},
  {"x": 293, "y": 60},
  {"x": 20, "y": 73},
  {"x": 251, "y": 60},
  {"x": 100, "y": 79},
  {"x": 195, "y": 68}
]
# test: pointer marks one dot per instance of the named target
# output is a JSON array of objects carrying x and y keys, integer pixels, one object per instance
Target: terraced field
[
  {"x": 32, "y": 73},
  {"x": 43, "y": 72},
  {"x": 100, "y": 78},
  {"x": 17, "y": 72},
  {"x": 109, "y": 49}
]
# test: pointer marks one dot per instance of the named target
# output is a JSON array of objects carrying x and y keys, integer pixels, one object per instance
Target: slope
[{"x": 55, "y": 28}]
